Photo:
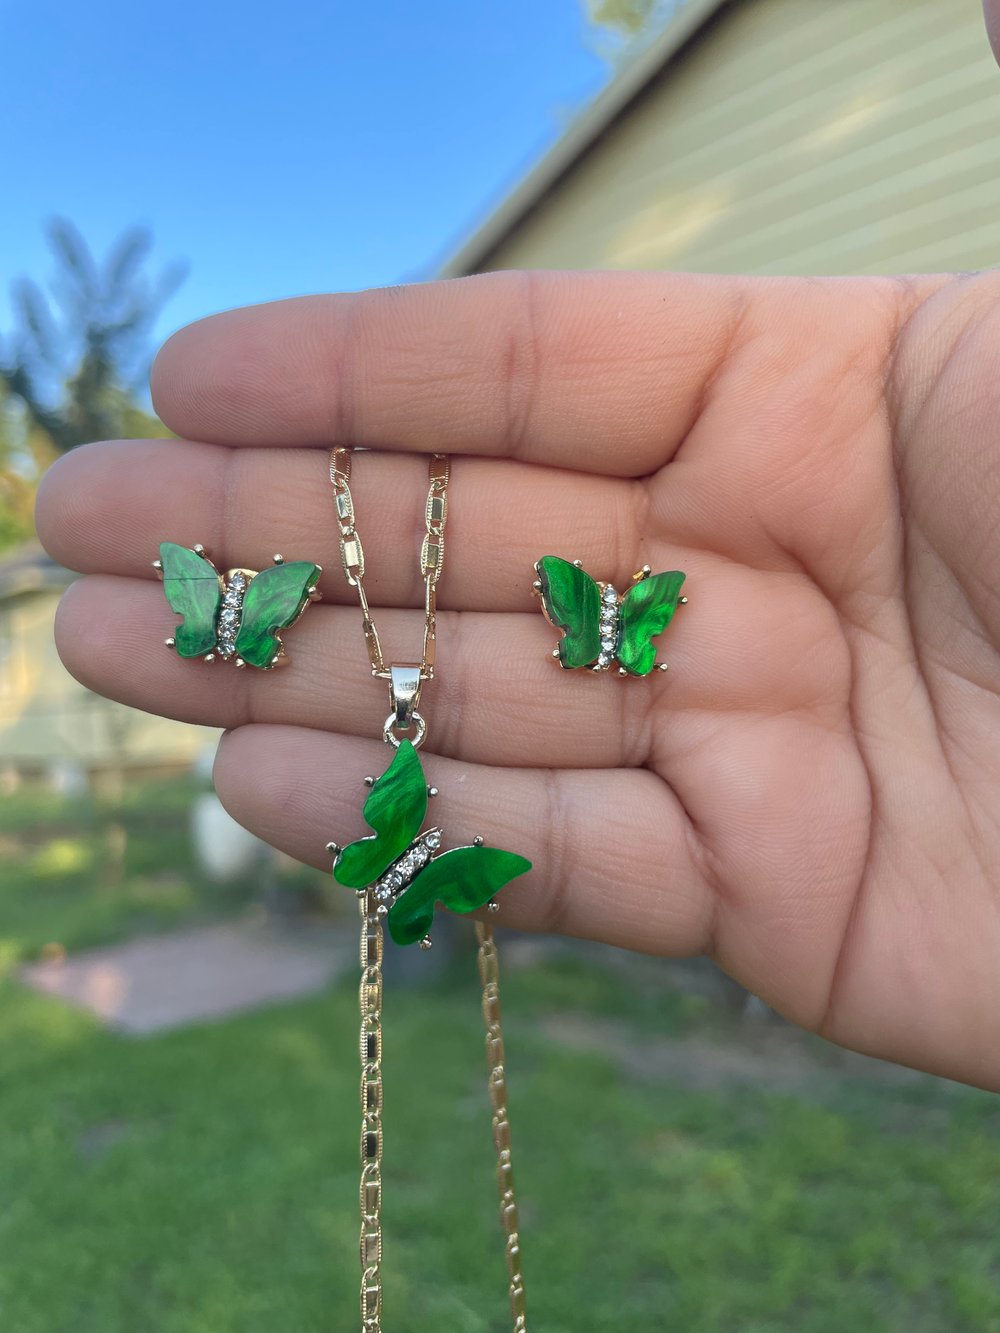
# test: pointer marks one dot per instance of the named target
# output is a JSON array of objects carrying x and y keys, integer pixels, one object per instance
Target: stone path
[{"x": 160, "y": 982}]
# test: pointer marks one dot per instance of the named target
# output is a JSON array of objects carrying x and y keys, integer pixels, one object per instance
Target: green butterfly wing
[
  {"x": 572, "y": 602},
  {"x": 395, "y": 809},
  {"x": 461, "y": 880},
  {"x": 193, "y": 588},
  {"x": 274, "y": 599},
  {"x": 646, "y": 610}
]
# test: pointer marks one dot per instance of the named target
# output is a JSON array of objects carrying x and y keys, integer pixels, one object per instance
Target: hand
[{"x": 811, "y": 794}]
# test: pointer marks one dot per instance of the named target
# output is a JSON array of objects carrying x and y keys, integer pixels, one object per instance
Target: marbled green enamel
[
  {"x": 274, "y": 599},
  {"x": 395, "y": 809},
  {"x": 572, "y": 602},
  {"x": 646, "y": 610},
  {"x": 461, "y": 880},
  {"x": 194, "y": 590}
]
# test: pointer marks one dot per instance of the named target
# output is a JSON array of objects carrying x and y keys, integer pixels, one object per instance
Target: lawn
[{"x": 205, "y": 1181}]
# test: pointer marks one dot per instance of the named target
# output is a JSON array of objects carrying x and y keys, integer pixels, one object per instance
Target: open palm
[{"x": 811, "y": 794}]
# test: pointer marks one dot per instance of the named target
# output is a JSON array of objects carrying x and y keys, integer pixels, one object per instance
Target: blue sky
[{"x": 277, "y": 148}]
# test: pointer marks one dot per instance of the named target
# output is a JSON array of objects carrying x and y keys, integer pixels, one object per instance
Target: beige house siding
[
  {"x": 793, "y": 136},
  {"x": 48, "y": 719}
]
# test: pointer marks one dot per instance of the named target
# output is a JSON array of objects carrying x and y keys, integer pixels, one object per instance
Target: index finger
[{"x": 602, "y": 372}]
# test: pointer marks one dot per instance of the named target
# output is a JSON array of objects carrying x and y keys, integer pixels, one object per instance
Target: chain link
[
  {"x": 370, "y": 1000},
  {"x": 352, "y": 554},
  {"x": 489, "y": 975}
]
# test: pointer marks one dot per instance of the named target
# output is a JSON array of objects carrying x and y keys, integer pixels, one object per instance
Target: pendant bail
[
  {"x": 405, "y": 679},
  {"x": 404, "y": 692}
]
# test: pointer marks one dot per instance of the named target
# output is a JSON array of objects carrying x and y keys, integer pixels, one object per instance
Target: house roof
[
  {"x": 29, "y": 569},
  {"x": 691, "y": 17}
]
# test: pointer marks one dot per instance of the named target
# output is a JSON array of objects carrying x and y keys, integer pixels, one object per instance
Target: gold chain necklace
[{"x": 397, "y": 882}]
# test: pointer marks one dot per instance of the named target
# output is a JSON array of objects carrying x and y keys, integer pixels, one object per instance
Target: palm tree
[{"x": 75, "y": 366}]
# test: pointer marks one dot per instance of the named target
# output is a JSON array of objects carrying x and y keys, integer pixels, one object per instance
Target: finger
[
  {"x": 595, "y": 371},
  {"x": 610, "y": 853},
  {"x": 498, "y": 697},
  {"x": 498, "y": 700},
  {"x": 105, "y": 508},
  {"x": 992, "y": 8}
]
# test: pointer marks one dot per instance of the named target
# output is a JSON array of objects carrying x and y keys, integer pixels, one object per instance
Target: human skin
[{"x": 810, "y": 795}]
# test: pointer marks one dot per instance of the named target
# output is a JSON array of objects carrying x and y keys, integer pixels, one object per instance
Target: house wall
[
  {"x": 47, "y": 718},
  {"x": 795, "y": 136}
]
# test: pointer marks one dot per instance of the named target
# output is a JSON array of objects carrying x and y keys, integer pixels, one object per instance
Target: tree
[
  {"x": 75, "y": 365},
  {"x": 626, "y": 23}
]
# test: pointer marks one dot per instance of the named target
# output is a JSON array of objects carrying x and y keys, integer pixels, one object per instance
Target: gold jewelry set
[{"x": 401, "y": 872}]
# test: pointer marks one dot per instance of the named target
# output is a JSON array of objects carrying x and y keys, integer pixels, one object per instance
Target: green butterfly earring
[
  {"x": 406, "y": 869},
  {"x": 234, "y": 616},
  {"x": 601, "y": 627}
]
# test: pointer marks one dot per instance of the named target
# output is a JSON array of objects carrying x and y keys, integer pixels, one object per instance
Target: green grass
[
  {"x": 57, "y": 862},
  {"x": 206, "y": 1181}
]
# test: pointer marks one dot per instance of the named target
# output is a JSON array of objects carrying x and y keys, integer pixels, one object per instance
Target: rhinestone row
[
  {"x": 231, "y": 614},
  {"x": 609, "y": 627},
  {"x": 405, "y": 867}
]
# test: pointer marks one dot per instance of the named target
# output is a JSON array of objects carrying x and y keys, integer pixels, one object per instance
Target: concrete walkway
[{"x": 156, "y": 983}]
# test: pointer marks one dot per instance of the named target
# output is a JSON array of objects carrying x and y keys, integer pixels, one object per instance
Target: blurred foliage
[
  {"x": 74, "y": 367},
  {"x": 25, "y": 452},
  {"x": 622, "y": 25},
  {"x": 625, "y": 16},
  {"x": 631, "y": 18},
  {"x": 205, "y": 1180}
]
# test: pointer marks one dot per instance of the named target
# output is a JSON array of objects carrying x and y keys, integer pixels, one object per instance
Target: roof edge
[{"x": 581, "y": 134}]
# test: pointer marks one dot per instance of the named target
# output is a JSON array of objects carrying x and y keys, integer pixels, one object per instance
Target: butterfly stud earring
[
  {"x": 602, "y": 627},
  {"x": 234, "y": 616}
]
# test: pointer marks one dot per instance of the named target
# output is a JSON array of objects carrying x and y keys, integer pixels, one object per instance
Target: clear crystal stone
[
  {"x": 609, "y": 595},
  {"x": 432, "y": 840}
]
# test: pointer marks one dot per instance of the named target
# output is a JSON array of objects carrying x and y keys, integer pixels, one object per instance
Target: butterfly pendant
[
  {"x": 601, "y": 627},
  {"x": 235, "y": 616},
  {"x": 407, "y": 869}
]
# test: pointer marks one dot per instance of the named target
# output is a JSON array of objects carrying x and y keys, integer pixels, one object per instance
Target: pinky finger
[{"x": 611, "y": 852}]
